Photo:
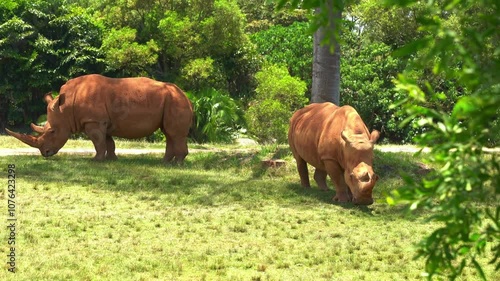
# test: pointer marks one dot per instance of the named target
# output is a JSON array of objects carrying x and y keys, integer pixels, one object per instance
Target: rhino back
[{"x": 131, "y": 107}]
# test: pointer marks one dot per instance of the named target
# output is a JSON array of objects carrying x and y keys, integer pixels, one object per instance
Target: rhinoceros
[
  {"x": 103, "y": 107},
  {"x": 337, "y": 143}
]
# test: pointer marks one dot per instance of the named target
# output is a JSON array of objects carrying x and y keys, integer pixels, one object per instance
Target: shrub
[
  {"x": 218, "y": 118},
  {"x": 268, "y": 121},
  {"x": 278, "y": 96}
]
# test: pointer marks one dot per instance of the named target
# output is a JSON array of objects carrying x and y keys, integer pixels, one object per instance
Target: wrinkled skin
[
  {"x": 337, "y": 143},
  {"x": 103, "y": 107}
]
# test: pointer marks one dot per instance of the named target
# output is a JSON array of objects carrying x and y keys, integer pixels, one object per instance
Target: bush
[
  {"x": 268, "y": 121},
  {"x": 278, "y": 96},
  {"x": 218, "y": 118}
]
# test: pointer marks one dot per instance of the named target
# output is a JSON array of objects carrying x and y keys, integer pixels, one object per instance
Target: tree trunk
[{"x": 326, "y": 65}]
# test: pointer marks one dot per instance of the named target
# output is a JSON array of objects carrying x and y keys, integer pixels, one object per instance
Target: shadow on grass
[
  {"x": 206, "y": 178},
  {"x": 326, "y": 197}
]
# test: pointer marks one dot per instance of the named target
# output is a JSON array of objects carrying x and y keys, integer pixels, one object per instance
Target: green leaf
[
  {"x": 463, "y": 250},
  {"x": 390, "y": 200},
  {"x": 474, "y": 236},
  {"x": 412, "y": 47},
  {"x": 442, "y": 127},
  {"x": 464, "y": 107},
  {"x": 414, "y": 206}
]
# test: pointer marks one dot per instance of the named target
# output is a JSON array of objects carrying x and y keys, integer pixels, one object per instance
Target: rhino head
[
  {"x": 358, "y": 173},
  {"x": 56, "y": 131}
]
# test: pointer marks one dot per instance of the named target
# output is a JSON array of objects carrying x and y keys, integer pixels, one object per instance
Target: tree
[
  {"x": 287, "y": 45},
  {"x": 124, "y": 56},
  {"x": 326, "y": 55}
]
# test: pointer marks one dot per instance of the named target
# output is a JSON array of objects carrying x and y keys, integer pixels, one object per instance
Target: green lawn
[{"x": 221, "y": 216}]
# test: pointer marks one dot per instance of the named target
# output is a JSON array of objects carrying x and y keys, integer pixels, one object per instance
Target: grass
[{"x": 220, "y": 216}]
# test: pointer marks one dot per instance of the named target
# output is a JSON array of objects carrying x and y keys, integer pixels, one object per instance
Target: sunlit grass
[{"x": 220, "y": 216}]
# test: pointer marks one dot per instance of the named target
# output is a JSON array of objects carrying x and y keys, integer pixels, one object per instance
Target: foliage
[
  {"x": 367, "y": 74},
  {"x": 287, "y": 45},
  {"x": 201, "y": 74},
  {"x": 465, "y": 177},
  {"x": 262, "y": 14},
  {"x": 205, "y": 44},
  {"x": 49, "y": 42},
  {"x": 394, "y": 26},
  {"x": 157, "y": 137},
  {"x": 268, "y": 121},
  {"x": 124, "y": 56},
  {"x": 43, "y": 43},
  {"x": 218, "y": 118},
  {"x": 278, "y": 96}
]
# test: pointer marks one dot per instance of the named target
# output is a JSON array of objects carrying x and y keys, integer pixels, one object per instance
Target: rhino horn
[
  {"x": 27, "y": 139},
  {"x": 36, "y": 128}
]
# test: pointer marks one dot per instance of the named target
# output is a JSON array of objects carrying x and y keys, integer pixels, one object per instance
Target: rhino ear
[
  {"x": 374, "y": 136},
  {"x": 346, "y": 136},
  {"x": 57, "y": 102}
]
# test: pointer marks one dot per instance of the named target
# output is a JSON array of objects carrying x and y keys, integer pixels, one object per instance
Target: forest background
[{"x": 245, "y": 67}]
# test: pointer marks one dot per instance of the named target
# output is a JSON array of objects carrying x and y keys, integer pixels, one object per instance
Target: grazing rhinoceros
[
  {"x": 103, "y": 107},
  {"x": 337, "y": 143}
]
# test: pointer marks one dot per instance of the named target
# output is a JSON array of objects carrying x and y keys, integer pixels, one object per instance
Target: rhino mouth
[
  {"x": 362, "y": 201},
  {"x": 48, "y": 153}
]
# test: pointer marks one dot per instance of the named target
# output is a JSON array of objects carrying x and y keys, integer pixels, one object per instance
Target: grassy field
[{"x": 220, "y": 216}]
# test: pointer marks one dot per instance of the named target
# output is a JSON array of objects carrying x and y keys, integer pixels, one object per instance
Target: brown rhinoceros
[
  {"x": 337, "y": 143},
  {"x": 103, "y": 107}
]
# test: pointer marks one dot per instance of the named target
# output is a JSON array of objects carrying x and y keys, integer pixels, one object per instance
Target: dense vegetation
[{"x": 208, "y": 47}]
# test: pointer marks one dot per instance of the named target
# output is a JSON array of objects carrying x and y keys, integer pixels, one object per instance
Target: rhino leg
[
  {"x": 97, "y": 134},
  {"x": 320, "y": 178},
  {"x": 169, "y": 150},
  {"x": 180, "y": 149},
  {"x": 303, "y": 172},
  {"x": 336, "y": 173},
  {"x": 110, "y": 148},
  {"x": 176, "y": 149}
]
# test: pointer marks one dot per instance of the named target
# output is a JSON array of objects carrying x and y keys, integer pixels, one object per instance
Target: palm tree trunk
[{"x": 326, "y": 62}]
